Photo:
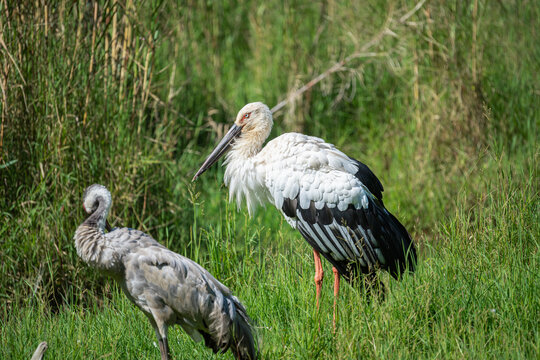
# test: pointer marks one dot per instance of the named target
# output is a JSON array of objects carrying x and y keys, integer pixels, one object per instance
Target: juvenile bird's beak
[{"x": 220, "y": 149}]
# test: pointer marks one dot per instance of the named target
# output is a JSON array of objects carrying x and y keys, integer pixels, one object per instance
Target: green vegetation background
[{"x": 443, "y": 106}]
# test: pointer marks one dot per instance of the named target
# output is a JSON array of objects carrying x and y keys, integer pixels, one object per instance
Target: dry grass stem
[{"x": 362, "y": 53}]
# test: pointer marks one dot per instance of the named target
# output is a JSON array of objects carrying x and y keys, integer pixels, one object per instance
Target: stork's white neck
[
  {"x": 248, "y": 144},
  {"x": 244, "y": 179},
  {"x": 244, "y": 174}
]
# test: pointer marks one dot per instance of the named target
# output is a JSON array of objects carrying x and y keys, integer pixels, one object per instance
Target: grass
[
  {"x": 132, "y": 94},
  {"x": 472, "y": 296}
]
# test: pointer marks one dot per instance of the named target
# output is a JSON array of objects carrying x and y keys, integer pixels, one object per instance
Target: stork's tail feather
[
  {"x": 243, "y": 346},
  {"x": 407, "y": 248}
]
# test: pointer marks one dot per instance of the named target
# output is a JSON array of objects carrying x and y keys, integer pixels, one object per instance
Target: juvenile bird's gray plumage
[{"x": 169, "y": 288}]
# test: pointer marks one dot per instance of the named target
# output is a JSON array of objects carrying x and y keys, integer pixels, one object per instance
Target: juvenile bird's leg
[
  {"x": 164, "y": 349},
  {"x": 319, "y": 275},
  {"x": 163, "y": 343},
  {"x": 336, "y": 293},
  {"x": 161, "y": 332}
]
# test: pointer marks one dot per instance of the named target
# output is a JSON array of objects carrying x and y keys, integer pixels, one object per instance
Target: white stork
[{"x": 333, "y": 200}]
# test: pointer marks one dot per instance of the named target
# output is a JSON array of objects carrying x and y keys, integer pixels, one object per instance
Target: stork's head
[
  {"x": 249, "y": 131},
  {"x": 254, "y": 117}
]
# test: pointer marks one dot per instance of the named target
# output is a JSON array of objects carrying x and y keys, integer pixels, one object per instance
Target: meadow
[{"x": 440, "y": 99}]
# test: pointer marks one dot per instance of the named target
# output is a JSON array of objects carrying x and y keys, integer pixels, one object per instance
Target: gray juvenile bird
[{"x": 169, "y": 288}]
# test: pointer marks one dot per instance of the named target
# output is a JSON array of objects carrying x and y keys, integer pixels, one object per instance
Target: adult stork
[
  {"x": 169, "y": 288},
  {"x": 333, "y": 200}
]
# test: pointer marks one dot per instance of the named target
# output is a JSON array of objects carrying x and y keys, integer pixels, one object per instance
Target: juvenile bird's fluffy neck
[
  {"x": 90, "y": 240},
  {"x": 98, "y": 218}
]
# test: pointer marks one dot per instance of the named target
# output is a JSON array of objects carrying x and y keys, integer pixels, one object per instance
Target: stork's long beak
[{"x": 220, "y": 149}]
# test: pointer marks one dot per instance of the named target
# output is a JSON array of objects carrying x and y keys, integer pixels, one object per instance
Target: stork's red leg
[
  {"x": 319, "y": 275},
  {"x": 336, "y": 293}
]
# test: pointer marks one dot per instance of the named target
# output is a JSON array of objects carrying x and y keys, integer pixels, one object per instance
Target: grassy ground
[{"x": 133, "y": 95}]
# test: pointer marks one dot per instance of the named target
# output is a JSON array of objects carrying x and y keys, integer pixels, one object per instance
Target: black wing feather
[
  {"x": 368, "y": 178},
  {"x": 324, "y": 216},
  {"x": 289, "y": 207}
]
